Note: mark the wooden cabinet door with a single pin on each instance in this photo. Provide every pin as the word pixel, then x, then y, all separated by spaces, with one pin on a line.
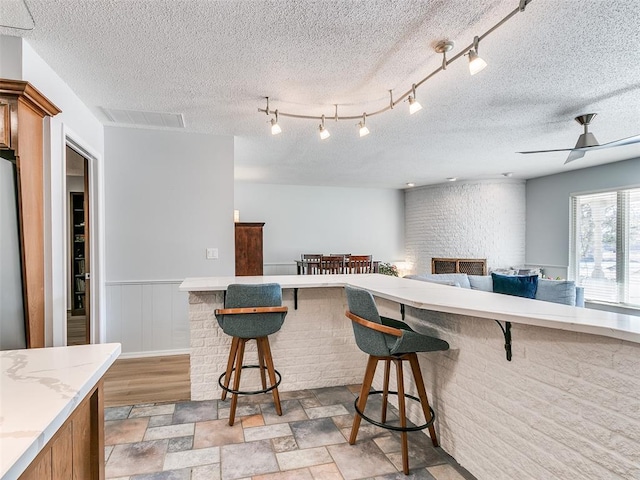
pixel 248 248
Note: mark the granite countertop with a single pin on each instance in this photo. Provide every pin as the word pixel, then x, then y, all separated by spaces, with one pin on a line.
pixel 448 299
pixel 39 389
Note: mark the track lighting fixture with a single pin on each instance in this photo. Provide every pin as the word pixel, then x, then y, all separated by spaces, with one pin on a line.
pixel 275 128
pixel 324 133
pixel 476 64
pixel 414 105
pixel 363 126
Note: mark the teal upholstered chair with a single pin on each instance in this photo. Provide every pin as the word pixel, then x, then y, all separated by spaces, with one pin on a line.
pixel 392 341
pixel 251 312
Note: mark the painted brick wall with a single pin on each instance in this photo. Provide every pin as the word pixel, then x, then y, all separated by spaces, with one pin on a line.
pixel 566 407
pixel 466 220
pixel 314 348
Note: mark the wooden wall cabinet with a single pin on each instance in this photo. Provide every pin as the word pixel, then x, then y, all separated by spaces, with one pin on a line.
pixel 248 249
pixel 22 110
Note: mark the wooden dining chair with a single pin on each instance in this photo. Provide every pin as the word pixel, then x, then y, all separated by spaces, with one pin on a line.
pixel 311 263
pixel 332 264
pixel 360 264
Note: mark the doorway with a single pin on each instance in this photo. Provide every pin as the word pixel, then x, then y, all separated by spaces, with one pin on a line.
pixel 79 252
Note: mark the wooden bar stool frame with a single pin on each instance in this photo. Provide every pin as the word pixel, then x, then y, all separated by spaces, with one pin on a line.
pixel 236 356
pixel 361 401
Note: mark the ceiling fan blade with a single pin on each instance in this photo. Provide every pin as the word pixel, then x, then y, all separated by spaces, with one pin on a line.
pixel 575 155
pixel 546 151
pixel 618 143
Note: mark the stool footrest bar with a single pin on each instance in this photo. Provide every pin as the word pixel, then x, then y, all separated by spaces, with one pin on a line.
pixel 393 427
pixel 255 392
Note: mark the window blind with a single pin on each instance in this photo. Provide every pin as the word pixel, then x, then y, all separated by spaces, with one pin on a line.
pixel 605 245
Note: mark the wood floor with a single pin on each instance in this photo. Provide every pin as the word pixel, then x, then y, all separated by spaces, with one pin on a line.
pixel 147 380
pixel 76 330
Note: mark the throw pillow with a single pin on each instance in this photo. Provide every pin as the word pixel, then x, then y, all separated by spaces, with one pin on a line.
pixel 519 286
pixel 481 282
pixel 557 291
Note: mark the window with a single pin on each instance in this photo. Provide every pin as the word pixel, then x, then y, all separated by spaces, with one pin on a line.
pixel 605 246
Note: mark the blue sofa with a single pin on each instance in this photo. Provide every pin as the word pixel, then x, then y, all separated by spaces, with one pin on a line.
pixel 556 291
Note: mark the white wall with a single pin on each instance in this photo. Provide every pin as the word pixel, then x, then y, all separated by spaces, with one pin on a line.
pixel 76 121
pixel 466 220
pixel 169 196
pixel 304 219
pixel 10 57
pixel 548 209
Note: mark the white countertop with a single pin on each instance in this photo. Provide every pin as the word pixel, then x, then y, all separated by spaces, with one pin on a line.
pixel 39 389
pixel 444 298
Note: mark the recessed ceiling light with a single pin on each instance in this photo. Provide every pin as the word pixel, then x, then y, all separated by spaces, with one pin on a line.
pixel 452 179
pixel 411 184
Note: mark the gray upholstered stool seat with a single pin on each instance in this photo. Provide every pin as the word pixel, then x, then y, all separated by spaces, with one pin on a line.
pixel 252 312
pixel 391 341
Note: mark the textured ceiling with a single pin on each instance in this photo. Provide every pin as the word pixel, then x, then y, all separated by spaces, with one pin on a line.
pixel 214 61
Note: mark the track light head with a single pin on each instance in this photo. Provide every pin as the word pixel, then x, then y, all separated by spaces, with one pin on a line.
pixel 275 128
pixel 363 130
pixel 476 63
pixel 324 133
pixel 414 105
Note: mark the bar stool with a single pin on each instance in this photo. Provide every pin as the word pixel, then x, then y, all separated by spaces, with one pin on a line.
pixel 392 341
pixel 251 312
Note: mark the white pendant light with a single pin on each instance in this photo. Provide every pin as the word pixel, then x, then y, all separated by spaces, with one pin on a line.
pixel 476 63
pixel 324 133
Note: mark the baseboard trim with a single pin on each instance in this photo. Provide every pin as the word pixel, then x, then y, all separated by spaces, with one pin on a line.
pixel 155 353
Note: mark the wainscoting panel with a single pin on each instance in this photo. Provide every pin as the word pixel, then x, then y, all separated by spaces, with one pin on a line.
pixel 147 317
pixel 280 269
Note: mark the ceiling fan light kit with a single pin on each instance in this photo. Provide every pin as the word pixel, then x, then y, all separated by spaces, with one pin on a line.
pixel 476 64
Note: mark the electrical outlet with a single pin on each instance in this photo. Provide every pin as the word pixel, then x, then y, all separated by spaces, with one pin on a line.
pixel 212 253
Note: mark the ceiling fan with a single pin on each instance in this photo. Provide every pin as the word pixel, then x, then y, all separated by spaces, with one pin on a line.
pixel 587 141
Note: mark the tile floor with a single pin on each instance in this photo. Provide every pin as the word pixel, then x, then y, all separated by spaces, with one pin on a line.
pixel 192 441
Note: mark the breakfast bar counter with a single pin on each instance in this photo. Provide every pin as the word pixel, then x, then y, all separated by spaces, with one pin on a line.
pixel 51 411
pixel 443 298
pixel 567 405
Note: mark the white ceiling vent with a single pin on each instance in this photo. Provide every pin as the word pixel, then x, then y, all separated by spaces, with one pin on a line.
pixel 144 119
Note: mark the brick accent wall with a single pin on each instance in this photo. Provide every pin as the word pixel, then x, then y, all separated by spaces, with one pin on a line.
pixel 466 220
pixel 314 348
pixel 566 407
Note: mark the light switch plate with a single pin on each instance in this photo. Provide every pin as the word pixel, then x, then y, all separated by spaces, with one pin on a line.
pixel 212 253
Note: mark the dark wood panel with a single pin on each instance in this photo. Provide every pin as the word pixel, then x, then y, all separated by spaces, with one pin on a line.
pixel 249 249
